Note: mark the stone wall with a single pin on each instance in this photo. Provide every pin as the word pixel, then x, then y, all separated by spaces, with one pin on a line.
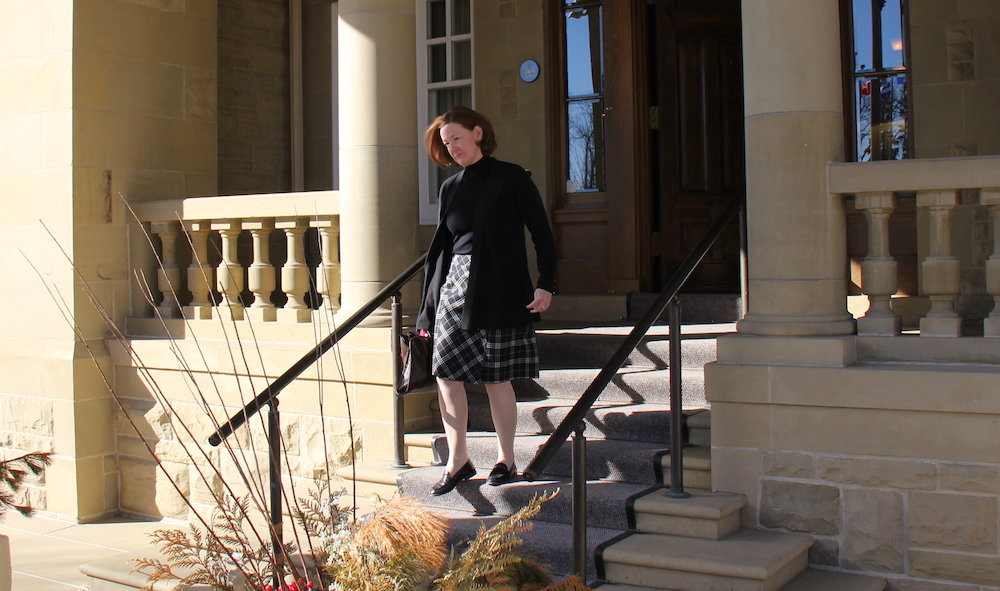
pixel 254 120
pixel 890 466
pixel 899 517
pixel 955 50
pixel 326 423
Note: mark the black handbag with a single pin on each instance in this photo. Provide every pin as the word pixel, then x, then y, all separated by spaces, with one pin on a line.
pixel 416 373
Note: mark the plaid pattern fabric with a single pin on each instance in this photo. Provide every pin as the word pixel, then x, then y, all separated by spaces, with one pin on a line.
pixel 477 356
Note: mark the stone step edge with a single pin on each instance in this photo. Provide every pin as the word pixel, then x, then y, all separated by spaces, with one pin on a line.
pixel 693 457
pixel 826 580
pixel 701 505
pixel 747 554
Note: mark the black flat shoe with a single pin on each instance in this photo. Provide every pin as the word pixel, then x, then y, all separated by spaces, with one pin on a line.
pixel 449 482
pixel 501 474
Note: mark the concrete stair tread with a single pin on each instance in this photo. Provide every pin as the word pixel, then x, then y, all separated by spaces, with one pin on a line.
pixel 747 554
pixel 546 541
pixel 605 507
pixel 636 384
pixel 607 459
pixel 824 580
pixel 701 505
pixel 591 347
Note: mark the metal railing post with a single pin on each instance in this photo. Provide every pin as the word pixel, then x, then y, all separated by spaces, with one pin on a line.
pixel 399 411
pixel 274 468
pixel 676 406
pixel 579 476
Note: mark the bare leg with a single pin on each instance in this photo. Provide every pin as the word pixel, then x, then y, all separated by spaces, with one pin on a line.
pixel 455 415
pixel 503 407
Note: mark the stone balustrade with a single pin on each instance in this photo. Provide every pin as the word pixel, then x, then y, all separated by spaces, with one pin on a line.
pixel 937 184
pixel 215 256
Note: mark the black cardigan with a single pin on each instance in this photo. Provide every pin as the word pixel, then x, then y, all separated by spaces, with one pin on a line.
pixel 500 286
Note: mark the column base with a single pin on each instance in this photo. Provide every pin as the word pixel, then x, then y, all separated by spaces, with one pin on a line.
pixel 228 312
pixel 198 312
pixel 881 326
pixel 295 314
pixel 262 314
pixel 822 351
pixel 792 326
pixel 947 326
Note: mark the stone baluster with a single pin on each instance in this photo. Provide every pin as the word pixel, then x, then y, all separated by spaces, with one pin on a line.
pixel 878 269
pixel 229 277
pixel 941 271
pixel 199 274
pixel 991 326
pixel 168 273
pixel 328 274
pixel 295 273
pixel 261 275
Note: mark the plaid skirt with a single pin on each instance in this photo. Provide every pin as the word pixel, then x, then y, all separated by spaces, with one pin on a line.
pixel 477 356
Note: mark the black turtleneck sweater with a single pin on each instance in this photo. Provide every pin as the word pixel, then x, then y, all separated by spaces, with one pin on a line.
pixel 460 214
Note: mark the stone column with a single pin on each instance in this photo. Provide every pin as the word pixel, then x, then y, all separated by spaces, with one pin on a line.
pixel 378 146
pixel 794 126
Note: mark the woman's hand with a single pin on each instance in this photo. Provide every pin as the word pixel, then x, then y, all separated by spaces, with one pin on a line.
pixel 541 302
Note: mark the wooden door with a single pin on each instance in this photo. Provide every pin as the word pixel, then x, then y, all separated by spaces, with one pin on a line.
pixel 601 142
pixel 698 141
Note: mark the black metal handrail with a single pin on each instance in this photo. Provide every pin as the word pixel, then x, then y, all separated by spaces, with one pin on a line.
pixel 269 397
pixel 573 423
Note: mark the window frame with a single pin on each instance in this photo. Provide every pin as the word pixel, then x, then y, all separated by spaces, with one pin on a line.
pixel 850 75
pixel 428 206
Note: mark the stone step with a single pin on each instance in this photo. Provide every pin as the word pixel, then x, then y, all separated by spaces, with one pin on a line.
pixel 420 448
pixel 748 560
pixel 696 308
pixel 706 515
pixel 699 424
pixel 824 580
pixel 607 459
pixel 623 421
pixel 547 542
pixel 697 472
pixel 606 500
pixel 630 384
pixel 592 347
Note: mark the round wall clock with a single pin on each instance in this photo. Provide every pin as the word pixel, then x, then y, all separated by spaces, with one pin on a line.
pixel 529 71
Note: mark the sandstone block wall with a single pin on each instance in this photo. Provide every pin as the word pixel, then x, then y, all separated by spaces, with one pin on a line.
pixel 254 115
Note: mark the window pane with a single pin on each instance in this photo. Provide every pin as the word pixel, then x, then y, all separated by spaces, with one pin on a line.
pixel 443 99
pixel 440 101
pixel 878 35
pixel 585 131
pixel 461 59
pixel 437 19
pixel 437 63
pixel 584 60
pixel 461 18
pixel 881 110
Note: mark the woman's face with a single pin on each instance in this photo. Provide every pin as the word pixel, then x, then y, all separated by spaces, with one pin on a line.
pixel 462 143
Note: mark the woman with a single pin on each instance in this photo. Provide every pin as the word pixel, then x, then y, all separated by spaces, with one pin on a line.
pixel 478 299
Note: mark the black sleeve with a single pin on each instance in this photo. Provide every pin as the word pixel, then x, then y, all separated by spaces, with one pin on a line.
pixel 529 205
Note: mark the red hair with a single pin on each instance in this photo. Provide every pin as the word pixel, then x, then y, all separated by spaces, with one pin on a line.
pixel 468 119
